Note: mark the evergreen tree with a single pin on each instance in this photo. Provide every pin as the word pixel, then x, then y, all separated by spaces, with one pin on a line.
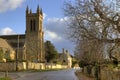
pixel 51 53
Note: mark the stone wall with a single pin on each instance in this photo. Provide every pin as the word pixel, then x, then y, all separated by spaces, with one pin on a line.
pixel 11 66
pixel 7 66
pixel 31 65
pixel 110 75
pixel 55 66
pixel 104 74
pixel 93 71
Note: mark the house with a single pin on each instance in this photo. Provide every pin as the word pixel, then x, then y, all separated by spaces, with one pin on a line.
pixel 6 50
pixel 65 58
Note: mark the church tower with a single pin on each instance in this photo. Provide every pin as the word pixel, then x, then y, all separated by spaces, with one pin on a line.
pixel 34 35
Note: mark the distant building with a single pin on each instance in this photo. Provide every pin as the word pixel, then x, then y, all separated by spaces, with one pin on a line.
pixel 65 58
pixel 29 46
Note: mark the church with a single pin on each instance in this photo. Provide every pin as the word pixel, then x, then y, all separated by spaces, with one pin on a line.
pixel 28 46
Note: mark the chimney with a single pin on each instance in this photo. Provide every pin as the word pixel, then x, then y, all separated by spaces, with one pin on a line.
pixel 63 50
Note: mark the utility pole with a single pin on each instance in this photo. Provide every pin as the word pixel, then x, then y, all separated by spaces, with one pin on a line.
pixel 17 52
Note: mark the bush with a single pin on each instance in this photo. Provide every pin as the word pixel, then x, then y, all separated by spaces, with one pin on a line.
pixel 89 69
pixel 115 63
pixel 73 63
pixel 82 64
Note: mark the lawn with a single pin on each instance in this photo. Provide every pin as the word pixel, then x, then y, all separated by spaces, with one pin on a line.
pixel 5 78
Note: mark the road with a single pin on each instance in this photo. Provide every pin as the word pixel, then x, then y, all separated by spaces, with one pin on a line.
pixel 50 75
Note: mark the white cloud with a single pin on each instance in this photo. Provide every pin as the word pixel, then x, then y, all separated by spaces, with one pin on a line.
pixel 6 31
pixel 52 36
pixel 55 28
pixel 56 31
pixel 10 4
pixel 44 15
pixel 63 20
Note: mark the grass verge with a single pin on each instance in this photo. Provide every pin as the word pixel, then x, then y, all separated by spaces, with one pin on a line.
pixel 5 78
pixel 39 70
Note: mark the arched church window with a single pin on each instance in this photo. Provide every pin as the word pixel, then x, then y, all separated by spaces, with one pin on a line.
pixel 34 23
pixel 31 25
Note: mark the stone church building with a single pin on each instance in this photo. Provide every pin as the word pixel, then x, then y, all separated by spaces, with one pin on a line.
pixel 28 46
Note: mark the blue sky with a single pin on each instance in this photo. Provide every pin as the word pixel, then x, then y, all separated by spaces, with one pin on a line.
pixel 16 18
pixel 12 20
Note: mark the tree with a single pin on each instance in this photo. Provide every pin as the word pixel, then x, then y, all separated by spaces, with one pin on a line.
pixel 93 20
pixel 51 53
pixel 89 52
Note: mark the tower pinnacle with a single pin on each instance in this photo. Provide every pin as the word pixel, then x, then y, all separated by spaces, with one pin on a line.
pixel 39 10
pixel 27 10
pixel 30 11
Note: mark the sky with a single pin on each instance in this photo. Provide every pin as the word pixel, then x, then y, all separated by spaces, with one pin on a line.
pixel 13 20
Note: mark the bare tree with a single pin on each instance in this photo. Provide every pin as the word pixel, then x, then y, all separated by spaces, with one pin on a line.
pixel 89 51
pixel 93 20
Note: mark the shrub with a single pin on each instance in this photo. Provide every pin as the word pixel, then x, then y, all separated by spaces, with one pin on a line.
pixel 83 63
pixel 115 63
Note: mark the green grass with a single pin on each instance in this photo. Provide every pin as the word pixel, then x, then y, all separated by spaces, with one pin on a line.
pixel 5 78
pixel 52 69
pixel 39 70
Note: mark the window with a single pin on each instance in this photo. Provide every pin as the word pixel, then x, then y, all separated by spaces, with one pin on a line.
pixel 30 25
pixel 34 23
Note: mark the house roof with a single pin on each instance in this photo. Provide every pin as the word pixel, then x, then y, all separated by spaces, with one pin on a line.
pixel 65 54
pixel 4 44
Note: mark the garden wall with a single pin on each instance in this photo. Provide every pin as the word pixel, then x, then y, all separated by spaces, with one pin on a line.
pixel 11 66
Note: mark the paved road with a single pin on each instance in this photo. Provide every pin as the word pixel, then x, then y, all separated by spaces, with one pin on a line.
pixel 51 75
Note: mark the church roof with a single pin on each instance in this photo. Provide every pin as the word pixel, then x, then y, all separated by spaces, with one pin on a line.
pixel 13 40
pixel 21 36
